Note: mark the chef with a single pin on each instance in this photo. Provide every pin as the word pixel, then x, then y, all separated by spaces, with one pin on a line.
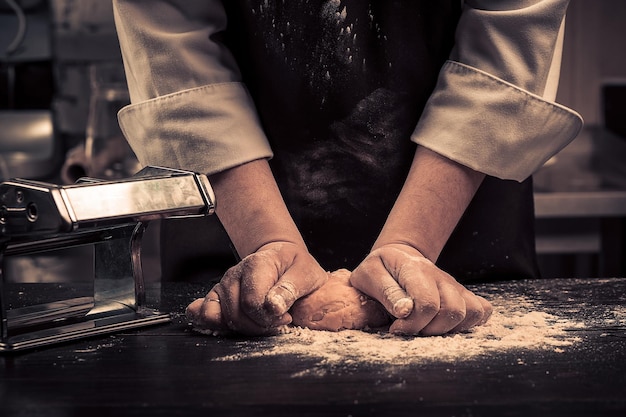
pixel 395 139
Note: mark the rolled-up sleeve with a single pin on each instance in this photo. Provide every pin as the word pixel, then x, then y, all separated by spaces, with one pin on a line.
pixel 493 108
pixel 189 108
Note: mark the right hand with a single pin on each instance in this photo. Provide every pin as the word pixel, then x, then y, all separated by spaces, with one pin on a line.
pixel 423 299
pixel 254 296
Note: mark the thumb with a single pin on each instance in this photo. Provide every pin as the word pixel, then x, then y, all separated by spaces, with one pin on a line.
pixel 295 283
pixel 372 278
pixel 281 297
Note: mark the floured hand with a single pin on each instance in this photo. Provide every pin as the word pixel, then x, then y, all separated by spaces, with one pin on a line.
pixel 424 299
pixel 337 305
pixel 254 296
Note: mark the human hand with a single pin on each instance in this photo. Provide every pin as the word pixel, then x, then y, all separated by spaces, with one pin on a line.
pixel 423 298
pixel 254 296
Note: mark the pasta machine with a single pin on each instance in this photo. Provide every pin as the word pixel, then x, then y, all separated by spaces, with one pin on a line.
pixel 105 221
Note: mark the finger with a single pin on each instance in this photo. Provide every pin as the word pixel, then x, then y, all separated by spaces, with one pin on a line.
pixel 422 314
pixel 281 297
pixel 258 273
pixel 205 313
pixel 233 316
pixel 194 311
pixel 299 280
pixel 452 311
pixel 487 310
pixel 474 312
pixel 478 312
pixel 373 278
pixel 417 278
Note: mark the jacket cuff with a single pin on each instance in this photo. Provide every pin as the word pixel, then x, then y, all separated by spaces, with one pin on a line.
pixel 491 125
pixel 206 129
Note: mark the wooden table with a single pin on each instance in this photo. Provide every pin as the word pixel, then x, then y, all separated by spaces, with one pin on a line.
pixel 169 370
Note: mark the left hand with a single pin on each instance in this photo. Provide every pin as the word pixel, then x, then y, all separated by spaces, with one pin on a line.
pixel 424 299
pixel 254 296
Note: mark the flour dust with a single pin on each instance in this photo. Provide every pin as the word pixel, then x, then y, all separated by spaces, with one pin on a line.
pixel 514 325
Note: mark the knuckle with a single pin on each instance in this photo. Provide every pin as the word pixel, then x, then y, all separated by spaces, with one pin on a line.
pixel 474 313
pixel 233 274
pixel 249 264
pixel 453 315
pixel 248 302
pixel 429 309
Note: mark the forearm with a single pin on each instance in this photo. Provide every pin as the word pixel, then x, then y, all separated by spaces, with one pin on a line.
pixel 251 208
pixel 434 197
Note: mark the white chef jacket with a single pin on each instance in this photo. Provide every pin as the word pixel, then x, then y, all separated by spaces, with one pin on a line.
pixel 190 109
pixel 490 107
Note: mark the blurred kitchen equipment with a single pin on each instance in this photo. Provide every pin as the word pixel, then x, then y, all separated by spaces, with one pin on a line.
pixel 108 217
pixel 105 153
pixel 613 94
pixel 29 147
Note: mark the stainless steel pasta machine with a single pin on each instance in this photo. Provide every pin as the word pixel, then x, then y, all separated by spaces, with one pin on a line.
pixel 106 220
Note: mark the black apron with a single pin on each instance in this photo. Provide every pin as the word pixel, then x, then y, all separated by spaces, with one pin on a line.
pixel 340 86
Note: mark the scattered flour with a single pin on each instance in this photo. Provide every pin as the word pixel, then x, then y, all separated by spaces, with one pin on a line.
pixel 514 325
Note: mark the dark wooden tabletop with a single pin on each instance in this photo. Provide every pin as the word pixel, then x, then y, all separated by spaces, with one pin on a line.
pixel 555 348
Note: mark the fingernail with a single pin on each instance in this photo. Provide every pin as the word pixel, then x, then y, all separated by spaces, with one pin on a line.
pixel 403 307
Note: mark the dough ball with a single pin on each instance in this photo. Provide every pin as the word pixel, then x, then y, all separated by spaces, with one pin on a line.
pixel 337 305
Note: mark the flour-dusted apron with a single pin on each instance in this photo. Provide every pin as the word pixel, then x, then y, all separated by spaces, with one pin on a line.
pixel 340 86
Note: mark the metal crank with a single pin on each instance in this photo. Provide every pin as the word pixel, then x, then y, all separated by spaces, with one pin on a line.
pixel 105 221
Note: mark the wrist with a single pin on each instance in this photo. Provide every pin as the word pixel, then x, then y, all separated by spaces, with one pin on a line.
pixel 251 209
pixel 405 246
pixel 434 197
